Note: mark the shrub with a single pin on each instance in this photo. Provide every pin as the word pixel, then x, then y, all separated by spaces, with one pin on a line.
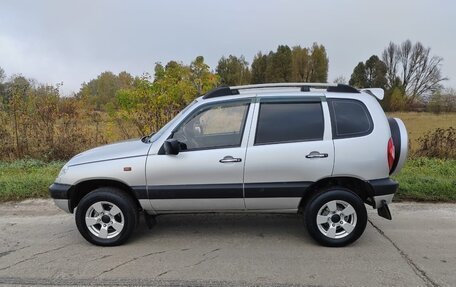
pixel 440 143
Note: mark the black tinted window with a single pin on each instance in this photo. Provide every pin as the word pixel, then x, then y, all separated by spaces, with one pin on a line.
pixel 289 122
pixel 350 118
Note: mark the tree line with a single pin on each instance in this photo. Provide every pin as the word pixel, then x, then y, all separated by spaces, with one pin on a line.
pixel 36 121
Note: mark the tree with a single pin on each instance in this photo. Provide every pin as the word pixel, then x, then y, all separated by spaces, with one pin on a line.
pixel 148 105
pixel 413 68
pixel 309 64
pixel 101 91
pixel 319 63
pixel 443 101
pixel 371 74
pixel 2 85
pixel 16 96
pixel 340 80
pixel 259 66
pixel 300 64
pixel 279 65
pixel 233 71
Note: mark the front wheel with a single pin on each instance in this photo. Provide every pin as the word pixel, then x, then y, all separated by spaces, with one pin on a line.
pixel 106 216
pixel 335 217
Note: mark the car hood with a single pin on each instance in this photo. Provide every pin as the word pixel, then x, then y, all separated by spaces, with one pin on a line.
pixel 124 149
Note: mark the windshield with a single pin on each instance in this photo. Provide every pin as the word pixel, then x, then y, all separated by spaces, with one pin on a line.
pixel 155 136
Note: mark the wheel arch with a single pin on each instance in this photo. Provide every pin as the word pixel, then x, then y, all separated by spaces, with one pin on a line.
pixel 358 186
pixel 83 188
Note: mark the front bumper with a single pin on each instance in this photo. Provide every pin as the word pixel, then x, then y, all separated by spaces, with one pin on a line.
pixel 61 195
pixel 383 191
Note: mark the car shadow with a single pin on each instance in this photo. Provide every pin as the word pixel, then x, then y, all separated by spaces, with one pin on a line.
pixel 216 225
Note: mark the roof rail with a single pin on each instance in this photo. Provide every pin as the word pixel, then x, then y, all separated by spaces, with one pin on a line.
pixel 305 87
pixel 220 92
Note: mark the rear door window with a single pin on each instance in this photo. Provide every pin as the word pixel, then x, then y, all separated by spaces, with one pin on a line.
pixel 282 122
pixel 349 118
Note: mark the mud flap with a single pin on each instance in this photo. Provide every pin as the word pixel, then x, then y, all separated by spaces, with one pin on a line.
pixel 150 220
pixel 384 211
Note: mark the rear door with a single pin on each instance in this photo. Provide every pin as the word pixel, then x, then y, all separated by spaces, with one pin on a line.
pixel 290 147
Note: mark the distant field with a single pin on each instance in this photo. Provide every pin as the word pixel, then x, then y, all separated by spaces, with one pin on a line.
pixel 419 124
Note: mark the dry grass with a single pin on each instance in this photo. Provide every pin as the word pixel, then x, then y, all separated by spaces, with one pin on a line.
pixel 418 124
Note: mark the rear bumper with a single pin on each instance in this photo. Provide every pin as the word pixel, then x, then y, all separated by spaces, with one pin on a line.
pixel 61 195
pixel 383 191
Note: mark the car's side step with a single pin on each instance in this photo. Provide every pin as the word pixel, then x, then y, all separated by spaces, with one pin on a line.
pixel 384 211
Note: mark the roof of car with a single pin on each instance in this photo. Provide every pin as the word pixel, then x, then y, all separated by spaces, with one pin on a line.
pixel 288 87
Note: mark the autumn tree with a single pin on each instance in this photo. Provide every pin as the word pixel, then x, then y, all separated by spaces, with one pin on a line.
pixel 102 90
pixel 149 104
pixel 233 71
pixel 309 64
pixel 412 67
pixel 319 64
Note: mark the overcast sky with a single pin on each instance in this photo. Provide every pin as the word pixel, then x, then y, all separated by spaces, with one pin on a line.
pixel 74 41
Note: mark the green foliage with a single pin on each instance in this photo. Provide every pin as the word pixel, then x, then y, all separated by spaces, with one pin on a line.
pixel 233 71
pixel 26 179
pixel 426 179
pixel 394 100
pixel 259 66
pixel 291 65
pixel 102 90
pixel 371 74
pixel 279 65
pixel 148 105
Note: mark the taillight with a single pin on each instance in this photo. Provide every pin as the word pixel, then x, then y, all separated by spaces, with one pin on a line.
pixel 391 153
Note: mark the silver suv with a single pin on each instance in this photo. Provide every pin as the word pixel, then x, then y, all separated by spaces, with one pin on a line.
pixel 320 150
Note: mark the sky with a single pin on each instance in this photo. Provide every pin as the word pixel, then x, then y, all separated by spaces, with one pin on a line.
pixel 74 41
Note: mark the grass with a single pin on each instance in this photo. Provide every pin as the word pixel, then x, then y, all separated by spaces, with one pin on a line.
pixel 426 179
pixel 26 179
pixel 422 179
pixel 418 124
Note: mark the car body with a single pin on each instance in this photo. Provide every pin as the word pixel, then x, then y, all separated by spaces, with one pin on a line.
pixel 255 148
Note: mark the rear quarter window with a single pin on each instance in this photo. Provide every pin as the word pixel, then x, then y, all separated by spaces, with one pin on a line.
pixel 349 118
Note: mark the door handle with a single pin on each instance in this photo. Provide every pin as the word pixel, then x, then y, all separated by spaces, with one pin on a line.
pixel 229 158
pixel 316 154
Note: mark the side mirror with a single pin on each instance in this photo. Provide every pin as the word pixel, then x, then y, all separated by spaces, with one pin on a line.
pixel 172 146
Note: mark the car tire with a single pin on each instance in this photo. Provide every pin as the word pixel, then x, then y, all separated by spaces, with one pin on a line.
pixel 325 219
pixel 106 216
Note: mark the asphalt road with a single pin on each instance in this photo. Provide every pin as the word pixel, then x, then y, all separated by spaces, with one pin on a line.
pixel 40 245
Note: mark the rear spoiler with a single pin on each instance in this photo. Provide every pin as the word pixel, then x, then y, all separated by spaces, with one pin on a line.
pixel 379 93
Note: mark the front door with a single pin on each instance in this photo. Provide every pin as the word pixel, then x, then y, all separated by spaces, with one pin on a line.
pixel 208 173
pixel 290 147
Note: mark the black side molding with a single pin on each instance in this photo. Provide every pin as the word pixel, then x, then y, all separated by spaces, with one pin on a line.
pixel 60 191
pixel 383 186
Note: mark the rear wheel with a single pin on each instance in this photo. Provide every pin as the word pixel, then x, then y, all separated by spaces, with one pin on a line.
pixel 106 216
pixel 335 217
